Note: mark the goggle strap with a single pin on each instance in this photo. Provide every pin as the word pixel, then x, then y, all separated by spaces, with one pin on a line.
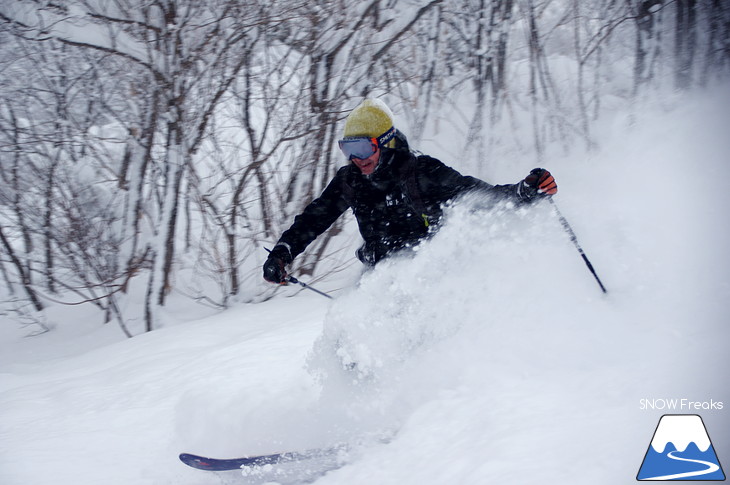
pixel 386 137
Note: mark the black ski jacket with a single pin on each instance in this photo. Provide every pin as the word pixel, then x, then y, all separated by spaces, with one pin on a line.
pixel 395 207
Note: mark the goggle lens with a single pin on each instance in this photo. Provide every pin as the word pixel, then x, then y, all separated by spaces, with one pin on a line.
pixel 360 148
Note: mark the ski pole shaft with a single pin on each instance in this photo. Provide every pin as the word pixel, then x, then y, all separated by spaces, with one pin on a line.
pixel 574 239
pixel 292 279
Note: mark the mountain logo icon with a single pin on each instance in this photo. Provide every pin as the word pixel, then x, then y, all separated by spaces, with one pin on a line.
pixel 681 450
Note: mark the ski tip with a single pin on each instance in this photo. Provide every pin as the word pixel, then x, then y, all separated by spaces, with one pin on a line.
pixel 199 462
pixel 190 460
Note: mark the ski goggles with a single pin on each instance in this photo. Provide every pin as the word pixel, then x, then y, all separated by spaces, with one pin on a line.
pixel 362 147
pixel 359 147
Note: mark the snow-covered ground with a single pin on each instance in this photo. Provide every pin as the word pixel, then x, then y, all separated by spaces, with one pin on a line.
pixel 490 357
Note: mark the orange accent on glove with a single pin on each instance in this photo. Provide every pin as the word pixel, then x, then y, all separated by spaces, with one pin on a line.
pixel 546 184
pixel 542 181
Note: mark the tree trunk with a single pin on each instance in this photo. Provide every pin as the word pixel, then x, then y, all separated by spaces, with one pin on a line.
pixel 22 272
pixel 685 42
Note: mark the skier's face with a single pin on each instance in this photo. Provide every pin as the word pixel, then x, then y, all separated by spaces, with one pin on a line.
pixel 367 165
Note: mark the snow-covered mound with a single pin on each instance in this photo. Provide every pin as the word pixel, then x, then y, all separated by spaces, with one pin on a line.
pixel 489 356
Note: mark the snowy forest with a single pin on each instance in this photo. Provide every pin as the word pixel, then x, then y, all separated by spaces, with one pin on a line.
pixel 152 147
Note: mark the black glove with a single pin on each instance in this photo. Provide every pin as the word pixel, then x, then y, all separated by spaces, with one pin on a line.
pixel 275 265
pixel 539 182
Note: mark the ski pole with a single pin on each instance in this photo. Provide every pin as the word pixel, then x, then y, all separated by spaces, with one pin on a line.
pixel 290 279
pixel 574 238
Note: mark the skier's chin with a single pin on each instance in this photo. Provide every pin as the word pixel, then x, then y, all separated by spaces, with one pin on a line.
pixel 367 168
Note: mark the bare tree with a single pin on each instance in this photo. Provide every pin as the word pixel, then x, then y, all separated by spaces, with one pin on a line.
pixel 647 15
pixel 188 51
pixel 717 51
pixel 685 41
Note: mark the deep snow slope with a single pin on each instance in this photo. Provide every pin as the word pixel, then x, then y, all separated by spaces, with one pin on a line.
pixel 489 357
pixel 122 413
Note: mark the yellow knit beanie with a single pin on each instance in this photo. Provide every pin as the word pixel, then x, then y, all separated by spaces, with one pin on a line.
pixel 371 118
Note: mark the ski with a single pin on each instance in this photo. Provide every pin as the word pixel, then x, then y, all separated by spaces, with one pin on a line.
pixel 225 464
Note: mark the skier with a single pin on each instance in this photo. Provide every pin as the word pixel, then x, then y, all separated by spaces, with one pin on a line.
pixel 395 195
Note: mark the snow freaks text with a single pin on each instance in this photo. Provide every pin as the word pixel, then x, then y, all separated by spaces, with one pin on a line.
pixel 675 404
